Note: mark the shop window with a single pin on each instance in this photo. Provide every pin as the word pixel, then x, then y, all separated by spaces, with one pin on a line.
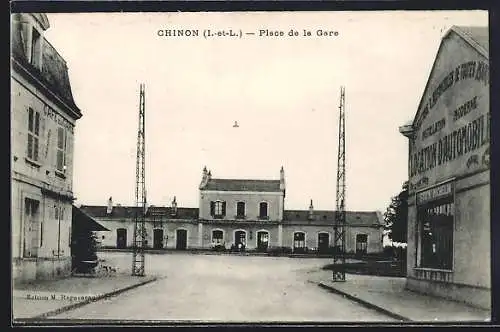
pixel 435 235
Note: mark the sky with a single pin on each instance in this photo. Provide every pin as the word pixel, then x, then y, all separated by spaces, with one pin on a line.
pixel 283 91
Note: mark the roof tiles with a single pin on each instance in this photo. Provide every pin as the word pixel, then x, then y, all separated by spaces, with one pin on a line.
pixel 243 185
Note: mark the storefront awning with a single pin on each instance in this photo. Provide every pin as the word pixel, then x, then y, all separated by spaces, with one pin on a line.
pixel 84 221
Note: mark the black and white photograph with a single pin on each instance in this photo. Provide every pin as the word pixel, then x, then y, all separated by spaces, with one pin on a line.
pixel 250 167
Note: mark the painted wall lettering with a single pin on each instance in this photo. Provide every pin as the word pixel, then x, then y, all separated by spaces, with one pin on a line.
pixel 476 70
pixel 465 108
pixel 461 141
pixel 54 116
pixel 434 128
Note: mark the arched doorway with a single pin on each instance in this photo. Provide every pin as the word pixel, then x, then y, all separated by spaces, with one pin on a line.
pixel 218 239
pixel 158 238
pixel 181 239
pixel 262 240
pixel 121 238
pixel 299 242
pixel 361 244
pixel 240 239
pixel 323 243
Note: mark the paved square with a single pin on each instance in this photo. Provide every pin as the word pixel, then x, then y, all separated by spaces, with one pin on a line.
pixel 225 288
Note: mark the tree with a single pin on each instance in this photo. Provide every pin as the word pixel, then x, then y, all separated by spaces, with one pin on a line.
pixel 396 216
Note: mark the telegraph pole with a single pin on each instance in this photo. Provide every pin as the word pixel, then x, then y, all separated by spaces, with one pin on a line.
pixel 140 193
pixel 340 220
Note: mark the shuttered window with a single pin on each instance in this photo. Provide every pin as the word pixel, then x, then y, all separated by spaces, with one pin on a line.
pixel 218 209
pixel 61 149
pixel 33 134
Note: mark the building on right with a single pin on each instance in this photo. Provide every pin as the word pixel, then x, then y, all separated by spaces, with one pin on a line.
pixel 449 174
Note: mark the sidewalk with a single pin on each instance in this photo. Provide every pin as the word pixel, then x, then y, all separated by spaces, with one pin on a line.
pixel 388 295
pixel 46 298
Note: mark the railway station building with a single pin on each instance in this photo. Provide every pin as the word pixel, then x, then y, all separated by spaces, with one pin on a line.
pixel 240 214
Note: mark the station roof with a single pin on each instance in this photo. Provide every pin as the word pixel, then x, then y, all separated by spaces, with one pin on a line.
pixel 361 218
pixel 100 211
pixel 243 185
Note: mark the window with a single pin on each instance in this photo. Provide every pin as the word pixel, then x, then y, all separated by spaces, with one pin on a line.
pixel 33 134
pixel 61 149
pixel 435 229
pixel 218 209
pixel 31 228
pixel 217 237
pixel 263 210
pixel 240 209
pixel 299 240
pixel 36 48
pixel 361 243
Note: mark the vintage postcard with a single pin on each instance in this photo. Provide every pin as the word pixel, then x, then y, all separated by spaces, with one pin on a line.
pixel 250 167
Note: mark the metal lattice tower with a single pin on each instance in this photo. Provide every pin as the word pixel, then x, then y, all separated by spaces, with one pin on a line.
pixel 340 220
pixel 140 193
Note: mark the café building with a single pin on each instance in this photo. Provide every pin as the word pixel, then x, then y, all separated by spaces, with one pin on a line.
pixel 449 174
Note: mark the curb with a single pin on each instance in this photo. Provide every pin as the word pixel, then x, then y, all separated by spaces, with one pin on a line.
pixel 364 303
pixel 94 299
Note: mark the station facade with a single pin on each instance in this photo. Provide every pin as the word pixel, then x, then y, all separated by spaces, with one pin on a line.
pixel 239 214
pixel 449 174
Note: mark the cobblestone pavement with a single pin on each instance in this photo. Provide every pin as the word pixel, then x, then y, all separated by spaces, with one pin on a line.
pixel 226 288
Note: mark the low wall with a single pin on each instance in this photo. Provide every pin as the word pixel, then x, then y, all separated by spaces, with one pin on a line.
pixel 31 269
pixel 475 296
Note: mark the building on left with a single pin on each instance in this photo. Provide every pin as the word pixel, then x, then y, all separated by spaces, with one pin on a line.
pixel 43 117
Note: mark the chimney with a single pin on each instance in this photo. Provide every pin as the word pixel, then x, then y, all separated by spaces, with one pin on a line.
pixel 311 210
pixel 110 205
pixel 282 179
pixel 174 206
pixel 204 178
